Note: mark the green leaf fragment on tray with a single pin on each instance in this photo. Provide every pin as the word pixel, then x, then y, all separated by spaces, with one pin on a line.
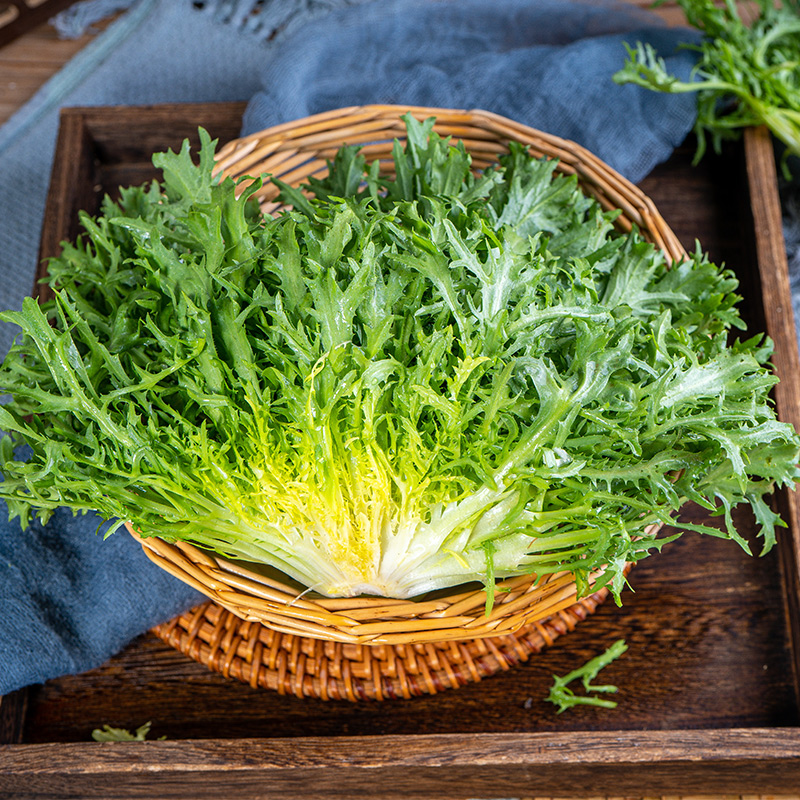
pixel 564 697
pixel 109 734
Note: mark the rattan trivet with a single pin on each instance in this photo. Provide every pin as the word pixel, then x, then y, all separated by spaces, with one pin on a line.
pixel 305 667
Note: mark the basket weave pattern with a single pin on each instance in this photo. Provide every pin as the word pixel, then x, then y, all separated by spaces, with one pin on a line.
pixel 307 667
pixel 294 152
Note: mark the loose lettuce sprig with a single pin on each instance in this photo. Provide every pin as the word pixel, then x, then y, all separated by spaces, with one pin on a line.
pixel 395 387
pixel 746 74
pixel 564 697
pixel 109 734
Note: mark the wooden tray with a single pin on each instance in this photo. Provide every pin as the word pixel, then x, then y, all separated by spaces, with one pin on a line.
pixel 709 699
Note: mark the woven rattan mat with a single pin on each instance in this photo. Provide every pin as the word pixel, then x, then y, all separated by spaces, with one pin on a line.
pixel 305 667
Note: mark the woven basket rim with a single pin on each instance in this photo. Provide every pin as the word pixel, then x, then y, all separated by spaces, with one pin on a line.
pixel 252 653
pixel 458 615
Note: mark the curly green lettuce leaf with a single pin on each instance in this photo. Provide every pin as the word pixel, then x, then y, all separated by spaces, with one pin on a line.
pixel 395 387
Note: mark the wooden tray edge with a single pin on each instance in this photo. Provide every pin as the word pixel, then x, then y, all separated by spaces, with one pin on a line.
pixel 636 763
pixel 773 268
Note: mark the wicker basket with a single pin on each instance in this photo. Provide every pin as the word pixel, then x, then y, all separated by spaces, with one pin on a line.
pixel 293 152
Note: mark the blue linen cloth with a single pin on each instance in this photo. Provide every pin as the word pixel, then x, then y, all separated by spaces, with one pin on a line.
pixel 548 64
pixel 69 599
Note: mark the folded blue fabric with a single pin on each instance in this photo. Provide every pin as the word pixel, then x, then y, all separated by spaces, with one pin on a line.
pixel 548 64
pixel 71 599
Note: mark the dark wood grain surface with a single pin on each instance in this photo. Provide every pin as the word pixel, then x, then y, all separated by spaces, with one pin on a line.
pixel 779 319
pixel 423 767
pixel 707 626
pixel 18 17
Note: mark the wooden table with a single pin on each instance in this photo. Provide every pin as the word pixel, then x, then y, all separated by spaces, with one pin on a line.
pixel 26 63
pixel 24 66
